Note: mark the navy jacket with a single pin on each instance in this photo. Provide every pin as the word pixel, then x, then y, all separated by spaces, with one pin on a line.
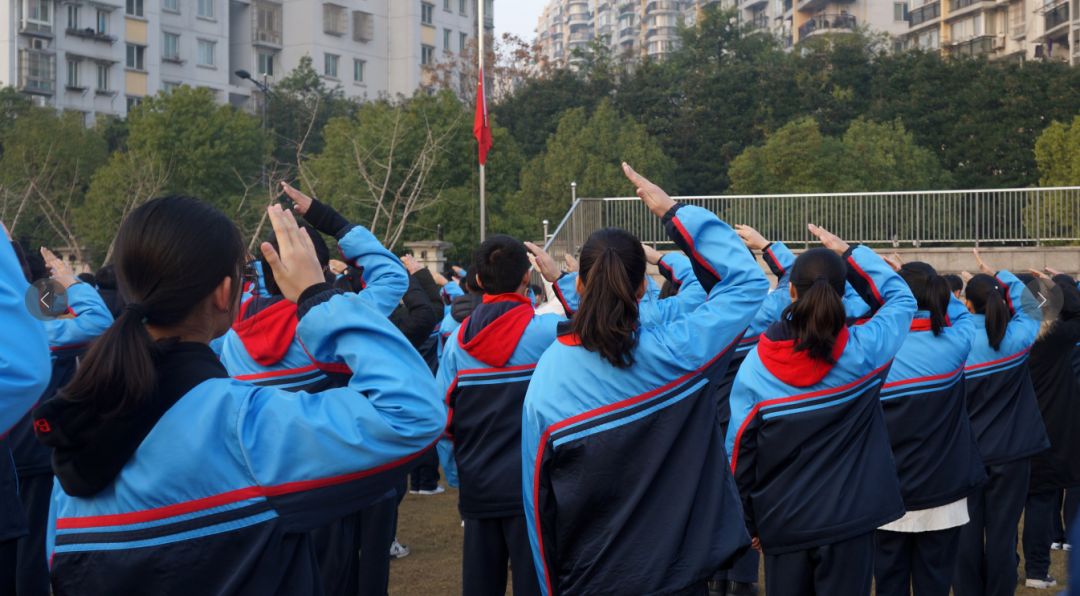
pixel 808 442
pixel 220 495
pixel 937 458
pixel 625 484
pixel 1000 397
pixel 484 373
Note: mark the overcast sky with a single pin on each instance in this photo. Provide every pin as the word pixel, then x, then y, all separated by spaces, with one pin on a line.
pixel 518 17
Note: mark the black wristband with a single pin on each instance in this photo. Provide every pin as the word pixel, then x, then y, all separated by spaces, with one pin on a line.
pixel 326 219
pixel 850 249
pixel 670 215
pixel 315 295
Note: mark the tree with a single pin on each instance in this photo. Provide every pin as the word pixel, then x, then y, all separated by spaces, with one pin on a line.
pixel 298 110
pixel 182 142
pixel 1057 152
pixel 509 62
pixel 588 149
pixel 47 163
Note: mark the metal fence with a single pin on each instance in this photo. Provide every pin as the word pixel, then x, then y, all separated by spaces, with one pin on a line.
pixel 1016 217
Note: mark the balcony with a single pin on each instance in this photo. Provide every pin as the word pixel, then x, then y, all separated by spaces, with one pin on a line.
pixel 628 8
pixel 751 4
pixel 628 33
pixel 662 7
pixel 35 28
pixel 976 46
pixel 266 25
pixel 924 14
pixel 816 5
pixel 760 22
pixel 37 72
pixel 827 23
pixel 962 7
pixel 1056 18
pixel 91 34
pixel 581 36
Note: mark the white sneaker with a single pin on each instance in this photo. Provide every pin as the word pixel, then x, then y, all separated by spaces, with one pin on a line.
pixel 438 490
pixel 1056 546
pixel 1041 584
pixel 1066 547
pixel 398 550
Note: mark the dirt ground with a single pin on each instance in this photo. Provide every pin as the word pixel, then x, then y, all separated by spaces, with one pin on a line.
pixel 430 526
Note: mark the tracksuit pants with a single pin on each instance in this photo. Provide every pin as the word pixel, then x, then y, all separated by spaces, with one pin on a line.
pixel 1067 504
pixel 32 572
pixel 745 569
pixel 489 545
pixel 919 563
pixel 354 551
pixel 986 562
pixel 840 568
pixel 1038 529
pixel 9 559
pixel 425 473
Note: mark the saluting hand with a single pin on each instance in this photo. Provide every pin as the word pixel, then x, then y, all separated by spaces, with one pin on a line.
pixel 301 202
pixel 751 237
pixel 295 265
pixel 830 240
pixel 543 262
pixel 59 269
pixel 652 256
pixel 652 195
pixel 572 264
pixel 983 267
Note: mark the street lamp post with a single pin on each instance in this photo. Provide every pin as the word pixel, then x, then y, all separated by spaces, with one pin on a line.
pixel 263 88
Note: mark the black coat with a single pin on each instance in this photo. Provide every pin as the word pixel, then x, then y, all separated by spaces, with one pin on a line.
pixel 415 316
pixel 1057 387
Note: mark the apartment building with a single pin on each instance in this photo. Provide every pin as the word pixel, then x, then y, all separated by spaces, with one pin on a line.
pixel 1009 30
pixel 104 56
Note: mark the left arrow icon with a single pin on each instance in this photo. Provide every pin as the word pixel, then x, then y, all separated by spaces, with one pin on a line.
pixel 44 304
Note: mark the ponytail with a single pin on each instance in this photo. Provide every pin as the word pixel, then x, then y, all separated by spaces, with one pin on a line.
pixel 171 253
pixel 932 292
pixel 987 298
pixel 817 315
pixel 612 271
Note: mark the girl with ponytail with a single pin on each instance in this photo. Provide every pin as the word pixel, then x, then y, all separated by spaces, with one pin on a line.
pixel 937 459
pixel 173 478
pixel 1007 425
pixel 807 437
pixel 626 487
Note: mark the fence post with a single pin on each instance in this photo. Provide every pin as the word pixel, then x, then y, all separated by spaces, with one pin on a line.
pixel 1038 218
pixel 806 220
pixel 977 220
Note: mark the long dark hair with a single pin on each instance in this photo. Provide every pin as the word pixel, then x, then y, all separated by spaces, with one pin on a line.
pixel 817 315
pixel 612 271
pixel 170 254
pixel 931 291
pixel 987 298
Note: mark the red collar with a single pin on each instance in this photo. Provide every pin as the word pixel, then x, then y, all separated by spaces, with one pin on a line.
pixel 798 369
pixel 511 297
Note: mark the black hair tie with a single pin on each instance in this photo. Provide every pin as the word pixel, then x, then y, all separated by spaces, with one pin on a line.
pixel 136 308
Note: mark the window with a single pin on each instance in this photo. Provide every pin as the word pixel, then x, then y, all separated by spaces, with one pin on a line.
pixel 358 70
pixel 447 35
pixel 206 9
pixel 169 86
pixel 135 55
pixel 206 52
pixel 330 65
pixel 463 41
pixel 265 66
pixel 103 22
pixel 268 23
pixel 73 78
pixel 463 6
pixel 427 55
pixel 73 16
pixel 103 76
pixel 171 5
pixel 39 11
pixel 967 28
pixel 900 12
pixel 363 26
pixel 446 5
pixel 427 13
pixel 134 8
pixel 170 46
pixel 132 102
pixel 335 19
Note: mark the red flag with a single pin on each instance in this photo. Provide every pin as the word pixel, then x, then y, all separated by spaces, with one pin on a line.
pixel 481 128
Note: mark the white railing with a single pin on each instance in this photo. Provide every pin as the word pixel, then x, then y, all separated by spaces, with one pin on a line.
pixel 1018 217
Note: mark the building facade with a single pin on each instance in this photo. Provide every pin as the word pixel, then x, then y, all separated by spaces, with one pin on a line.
pixel 101 57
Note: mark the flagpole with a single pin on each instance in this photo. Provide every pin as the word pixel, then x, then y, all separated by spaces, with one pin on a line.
pixel 481 30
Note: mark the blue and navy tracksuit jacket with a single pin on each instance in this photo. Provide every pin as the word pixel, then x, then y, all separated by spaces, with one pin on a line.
pixel 69 338
pixel 24 375
pixel 263 348
pixel 625 481
pixel 485 370
pixel 807 439
pixel 1001 400
pixel 221 494
pixel 937 458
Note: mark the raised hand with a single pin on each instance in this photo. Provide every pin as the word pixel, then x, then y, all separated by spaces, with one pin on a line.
pixel 572 264
pixel 301 202
pixel 338 267
pixel 894 261
pixel 459 272
pixel 295 265
pixel 544 263
pixel 1052 272
pixel 652 195
pixel 411 264
pixel 966 276
pixel 983 267
pixel 1037 274
pixel 830 240
pixel 59 269
pixel 751 237
pixel 652 256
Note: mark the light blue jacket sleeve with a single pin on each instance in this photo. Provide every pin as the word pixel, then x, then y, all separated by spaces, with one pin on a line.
pixel 388 413
pixel 24 352
pixel 91 319
pixel 1023 328
pixel 881 336
pixel 385 277
pixel 690 295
